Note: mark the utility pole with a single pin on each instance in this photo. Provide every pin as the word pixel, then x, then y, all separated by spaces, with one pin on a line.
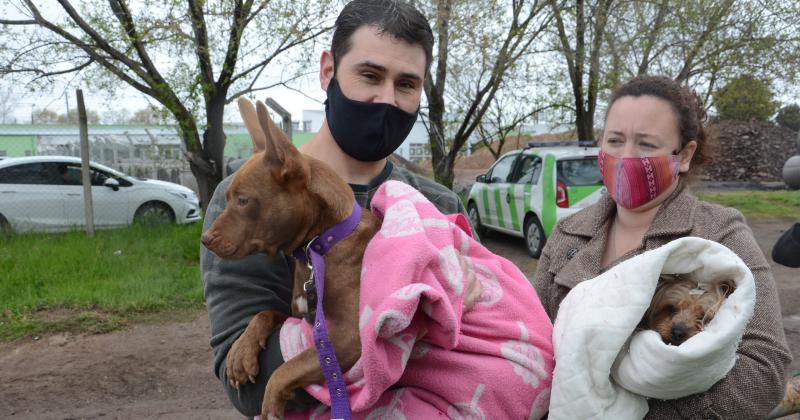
pixel 85 169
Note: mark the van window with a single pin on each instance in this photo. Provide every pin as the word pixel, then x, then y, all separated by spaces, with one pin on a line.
pixel 579 172
pixel 502 169
pixel 527 171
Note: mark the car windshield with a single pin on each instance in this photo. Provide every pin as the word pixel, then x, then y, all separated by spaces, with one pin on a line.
pixel 578 172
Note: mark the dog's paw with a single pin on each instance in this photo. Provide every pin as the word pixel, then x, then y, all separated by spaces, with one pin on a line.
pixel 242 361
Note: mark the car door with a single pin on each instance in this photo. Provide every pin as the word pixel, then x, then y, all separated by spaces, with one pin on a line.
pixel 523 187
pixel 496 196
pixel 30 198
pixel 110 207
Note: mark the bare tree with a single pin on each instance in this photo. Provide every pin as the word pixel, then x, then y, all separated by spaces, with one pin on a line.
pixel 506 118
pixel 701 43
pixel 478 46
pixel 581 27
pixel 192 57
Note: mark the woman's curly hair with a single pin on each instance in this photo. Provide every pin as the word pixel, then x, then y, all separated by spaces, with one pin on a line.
pixel 688 107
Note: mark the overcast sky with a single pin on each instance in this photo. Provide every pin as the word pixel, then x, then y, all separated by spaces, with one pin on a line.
pixel 62 94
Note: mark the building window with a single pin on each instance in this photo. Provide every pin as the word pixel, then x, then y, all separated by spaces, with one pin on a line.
pixel 418 151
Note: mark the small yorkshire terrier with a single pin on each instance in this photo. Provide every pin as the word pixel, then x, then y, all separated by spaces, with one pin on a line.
pixel 681 307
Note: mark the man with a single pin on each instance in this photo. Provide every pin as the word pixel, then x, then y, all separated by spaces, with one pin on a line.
pixel 373 75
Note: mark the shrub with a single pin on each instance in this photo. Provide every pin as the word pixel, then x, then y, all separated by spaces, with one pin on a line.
pixel 789 117
pixel 745 98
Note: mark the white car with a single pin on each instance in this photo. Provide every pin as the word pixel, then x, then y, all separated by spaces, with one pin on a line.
pixel 44 193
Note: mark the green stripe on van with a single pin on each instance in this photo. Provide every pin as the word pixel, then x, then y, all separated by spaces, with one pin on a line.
pixel 513 207
pixel 528 198
pixel 500 221
pixel 485 194
pixel 548 195
pixel 578 193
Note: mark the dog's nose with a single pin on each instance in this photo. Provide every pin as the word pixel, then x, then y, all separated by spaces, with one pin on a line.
pixel 679 333
pixel 207 239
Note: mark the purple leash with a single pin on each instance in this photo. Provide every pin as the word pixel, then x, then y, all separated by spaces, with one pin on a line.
pixel 312 255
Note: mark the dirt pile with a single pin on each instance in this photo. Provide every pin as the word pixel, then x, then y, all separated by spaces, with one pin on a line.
pixel 750 151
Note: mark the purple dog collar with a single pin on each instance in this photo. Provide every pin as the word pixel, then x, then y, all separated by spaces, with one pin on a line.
pixel 312 254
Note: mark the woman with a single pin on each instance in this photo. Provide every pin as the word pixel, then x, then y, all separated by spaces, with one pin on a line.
pixel 658 119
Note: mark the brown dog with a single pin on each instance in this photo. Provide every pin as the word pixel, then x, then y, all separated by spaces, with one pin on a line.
pixel 280 200
pixel 680 309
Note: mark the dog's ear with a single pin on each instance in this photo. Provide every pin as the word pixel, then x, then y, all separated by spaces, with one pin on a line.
pixel 725 286
pixel 248 113
pixel 280 153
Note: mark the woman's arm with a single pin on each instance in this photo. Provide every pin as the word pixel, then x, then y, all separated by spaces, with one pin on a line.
pixel 543 279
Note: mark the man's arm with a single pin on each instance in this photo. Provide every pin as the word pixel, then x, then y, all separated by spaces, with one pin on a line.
pixel 234 292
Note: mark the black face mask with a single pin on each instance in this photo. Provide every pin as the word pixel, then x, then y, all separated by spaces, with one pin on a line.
pixel 366 131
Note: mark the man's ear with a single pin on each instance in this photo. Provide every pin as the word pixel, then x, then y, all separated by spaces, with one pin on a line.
pixel 326 69
pixel 686 154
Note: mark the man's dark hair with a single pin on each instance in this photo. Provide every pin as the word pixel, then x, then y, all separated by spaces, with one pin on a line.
pixel 393 17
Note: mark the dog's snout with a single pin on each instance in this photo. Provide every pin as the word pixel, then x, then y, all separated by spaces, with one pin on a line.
pixel 207 238
pixel 679 333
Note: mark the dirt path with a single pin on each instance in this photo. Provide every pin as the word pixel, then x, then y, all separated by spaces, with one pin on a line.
pixel 164 371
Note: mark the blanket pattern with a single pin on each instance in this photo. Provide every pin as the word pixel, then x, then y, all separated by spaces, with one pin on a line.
pixel 422 355
pixel 606 369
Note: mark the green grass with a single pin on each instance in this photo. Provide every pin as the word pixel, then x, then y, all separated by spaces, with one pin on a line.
pixel 759 204
pixel 70 282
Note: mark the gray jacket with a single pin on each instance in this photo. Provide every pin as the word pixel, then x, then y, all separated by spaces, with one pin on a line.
pixel 756 383
pixel 237 290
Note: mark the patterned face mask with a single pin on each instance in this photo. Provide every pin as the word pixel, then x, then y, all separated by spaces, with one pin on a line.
pixel 633 182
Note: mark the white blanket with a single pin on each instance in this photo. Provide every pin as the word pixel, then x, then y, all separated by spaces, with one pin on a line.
pixel 593 342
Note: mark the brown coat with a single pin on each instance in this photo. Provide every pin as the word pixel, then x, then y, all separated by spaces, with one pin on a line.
pixel 756 383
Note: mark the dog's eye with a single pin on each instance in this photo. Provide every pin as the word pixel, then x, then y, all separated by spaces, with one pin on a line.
pixel 242 201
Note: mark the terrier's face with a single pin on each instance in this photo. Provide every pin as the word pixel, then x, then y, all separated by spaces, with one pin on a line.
pixel 680 309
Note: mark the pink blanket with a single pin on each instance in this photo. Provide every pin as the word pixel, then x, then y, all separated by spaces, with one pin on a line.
pixel 422 355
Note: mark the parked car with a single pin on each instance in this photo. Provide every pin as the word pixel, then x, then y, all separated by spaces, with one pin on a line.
pixel 527 191
pixel 45 193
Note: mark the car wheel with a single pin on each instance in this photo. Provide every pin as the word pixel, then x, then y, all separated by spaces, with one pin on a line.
pixel 5 227
pixel 475 219
pixel 534 236
pixel 154 213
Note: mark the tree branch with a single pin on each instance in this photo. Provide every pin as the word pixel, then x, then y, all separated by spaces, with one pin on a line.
pixel 201 47
pixel 18 22
pixel 240 19
pixel 124 17
pixel 41 74
pixel 232 97
pixel 88 49
pixel 100 42
pixel 260 66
